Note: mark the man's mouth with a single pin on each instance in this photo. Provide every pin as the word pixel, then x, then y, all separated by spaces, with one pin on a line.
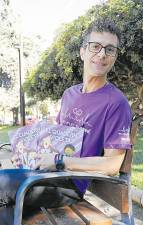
pixel 100 64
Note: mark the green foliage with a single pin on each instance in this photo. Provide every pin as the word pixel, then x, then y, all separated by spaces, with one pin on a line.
pixel 5 79
pixel 43 108
pixel 7 37
pixel 61 65
pixel 137 167
pixel 4 133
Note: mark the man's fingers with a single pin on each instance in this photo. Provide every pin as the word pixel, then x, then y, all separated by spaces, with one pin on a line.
pixel 15 158
pixel 37 166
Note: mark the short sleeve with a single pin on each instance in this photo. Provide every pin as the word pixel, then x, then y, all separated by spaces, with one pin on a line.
pixel 58 118
pixel 117 126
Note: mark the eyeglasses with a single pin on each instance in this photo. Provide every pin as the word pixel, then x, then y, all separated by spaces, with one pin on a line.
pixel 96 47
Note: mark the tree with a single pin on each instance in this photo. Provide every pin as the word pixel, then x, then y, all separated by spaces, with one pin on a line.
pixel 61 66
pixel 43 109
pixel 9 61
pixel 7 37
pixel 58 65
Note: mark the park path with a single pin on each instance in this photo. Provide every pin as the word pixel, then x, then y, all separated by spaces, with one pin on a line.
pixel 114 213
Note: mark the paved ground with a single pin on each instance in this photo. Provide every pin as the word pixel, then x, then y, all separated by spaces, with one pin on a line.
pixel 112 212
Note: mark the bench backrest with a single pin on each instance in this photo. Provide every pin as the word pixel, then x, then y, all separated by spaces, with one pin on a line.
pixel 126 165
pixel 117 193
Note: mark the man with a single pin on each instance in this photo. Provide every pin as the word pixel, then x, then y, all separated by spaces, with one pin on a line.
pixel 98 106
pixel 101 109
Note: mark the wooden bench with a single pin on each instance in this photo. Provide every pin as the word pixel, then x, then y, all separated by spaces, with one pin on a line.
pixel 79 214
pixel 114 190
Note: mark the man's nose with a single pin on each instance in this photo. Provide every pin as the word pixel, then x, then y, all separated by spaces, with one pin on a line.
pixel 102 53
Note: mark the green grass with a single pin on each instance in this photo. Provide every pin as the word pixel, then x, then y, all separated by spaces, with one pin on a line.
pixel 4 132
pixel 137 166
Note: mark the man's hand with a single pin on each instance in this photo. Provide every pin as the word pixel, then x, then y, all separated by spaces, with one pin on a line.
pixel 46 162
pixel 16 161
pixel 25 160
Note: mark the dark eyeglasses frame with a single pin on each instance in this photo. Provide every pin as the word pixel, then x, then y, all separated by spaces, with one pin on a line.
pixel 90 42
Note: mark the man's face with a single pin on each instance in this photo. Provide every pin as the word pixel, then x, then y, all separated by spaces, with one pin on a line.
pixel 99 63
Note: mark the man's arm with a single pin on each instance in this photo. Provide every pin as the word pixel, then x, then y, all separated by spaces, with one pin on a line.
pixel 108 164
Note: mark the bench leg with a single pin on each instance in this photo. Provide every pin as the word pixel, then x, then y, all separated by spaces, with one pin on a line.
pixel 128 218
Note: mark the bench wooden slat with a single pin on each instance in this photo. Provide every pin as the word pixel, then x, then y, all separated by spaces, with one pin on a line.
pixel 115 194
pixel 65 215
pixel 49 215
pixel 37 218
pixel 82 213
pixel 91 214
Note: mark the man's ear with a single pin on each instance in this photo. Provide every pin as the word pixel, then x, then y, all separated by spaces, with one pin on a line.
pixel 82 53
pixel 115 58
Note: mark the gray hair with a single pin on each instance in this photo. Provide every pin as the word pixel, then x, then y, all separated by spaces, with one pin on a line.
pixel 101 25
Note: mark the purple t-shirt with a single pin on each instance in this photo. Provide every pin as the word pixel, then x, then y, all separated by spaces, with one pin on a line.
pixel 105 115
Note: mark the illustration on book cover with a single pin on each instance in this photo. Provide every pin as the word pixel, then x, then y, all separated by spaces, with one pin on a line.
pixel 30 141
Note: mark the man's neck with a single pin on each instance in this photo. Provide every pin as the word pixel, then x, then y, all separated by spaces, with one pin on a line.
pixel 93 84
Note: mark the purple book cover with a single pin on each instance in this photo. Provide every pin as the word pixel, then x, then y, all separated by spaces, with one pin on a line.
pixel 30 141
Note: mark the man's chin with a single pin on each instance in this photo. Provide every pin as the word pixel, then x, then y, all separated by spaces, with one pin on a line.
pixel 98 75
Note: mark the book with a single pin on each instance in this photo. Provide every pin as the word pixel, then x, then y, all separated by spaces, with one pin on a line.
pixel 30 141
